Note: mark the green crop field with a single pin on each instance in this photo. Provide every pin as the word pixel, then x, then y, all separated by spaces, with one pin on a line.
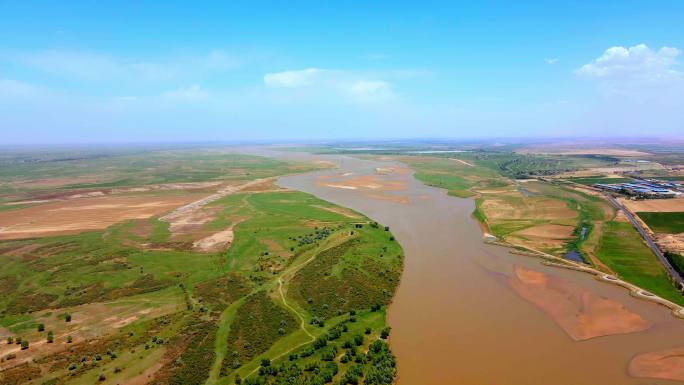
pixel 623 250
pixel 669 223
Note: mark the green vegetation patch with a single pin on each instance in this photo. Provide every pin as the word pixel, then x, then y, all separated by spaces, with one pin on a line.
pixel 623 250
pixel 351 350
pixel 220 292
pixel 259 322
pixel 348 276
pixel 669 223
pixel 676 260
pixel 192 367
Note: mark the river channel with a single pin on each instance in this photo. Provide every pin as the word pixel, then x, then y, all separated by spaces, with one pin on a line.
pixel 467 312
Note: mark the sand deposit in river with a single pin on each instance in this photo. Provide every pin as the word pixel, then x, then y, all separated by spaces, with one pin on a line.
pixel 581 313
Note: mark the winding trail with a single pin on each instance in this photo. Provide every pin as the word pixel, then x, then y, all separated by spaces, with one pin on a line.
pixel 302 324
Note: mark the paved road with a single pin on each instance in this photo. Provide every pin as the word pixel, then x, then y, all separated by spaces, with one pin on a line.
pixel 649 241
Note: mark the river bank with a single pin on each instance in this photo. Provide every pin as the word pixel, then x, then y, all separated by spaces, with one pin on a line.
pixel 463 312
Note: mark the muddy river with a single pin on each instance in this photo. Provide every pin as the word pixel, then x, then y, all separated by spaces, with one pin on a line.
pixel 467 312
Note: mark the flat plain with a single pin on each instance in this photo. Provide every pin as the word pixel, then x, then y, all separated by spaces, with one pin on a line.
pixel 111 274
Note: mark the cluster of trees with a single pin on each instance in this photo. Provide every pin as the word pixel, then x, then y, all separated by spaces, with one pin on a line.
pixel 19 341
pixel 676 260
pixel 316 236
pixel 293 373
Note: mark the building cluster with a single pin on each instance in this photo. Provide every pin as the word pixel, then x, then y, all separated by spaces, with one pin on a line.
pixel 645 188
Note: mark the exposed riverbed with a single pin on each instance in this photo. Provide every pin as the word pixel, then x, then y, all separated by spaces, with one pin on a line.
pixel 471 313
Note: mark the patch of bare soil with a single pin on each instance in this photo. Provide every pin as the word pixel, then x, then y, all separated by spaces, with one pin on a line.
pixel 654 205
pixel 665 364
pixel 500 207
pixel 621 217
pixel 389 197
pixel 463 162
pixel 217 241
pixel 74 216
pixel 364 182
pixel 393 170
pixel 543 236
pixel 264 186
pixel 578 311
pixel 192 220
pixel 89 321
pixel 671 242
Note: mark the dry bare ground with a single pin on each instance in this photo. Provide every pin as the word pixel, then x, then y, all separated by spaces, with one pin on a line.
pixel 77 215
pixel 366 182
pixel 217 241
pixel 654 205
pixel 546 236
pixel 671 242
pixel 499 208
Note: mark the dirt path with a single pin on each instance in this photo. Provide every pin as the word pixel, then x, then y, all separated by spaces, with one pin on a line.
pixel 302 320
pixel 462 162
pixel 192 206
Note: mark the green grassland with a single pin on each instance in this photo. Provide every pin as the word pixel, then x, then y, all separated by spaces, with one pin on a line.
pixel 458 178
pixel 669 223
pixel 623 250
pixel 215 315
pixel 19 176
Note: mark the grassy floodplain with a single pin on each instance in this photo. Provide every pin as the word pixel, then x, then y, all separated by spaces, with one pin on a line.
pixel 300 292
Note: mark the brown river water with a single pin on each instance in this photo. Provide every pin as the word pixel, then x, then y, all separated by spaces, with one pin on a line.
pixel 467 312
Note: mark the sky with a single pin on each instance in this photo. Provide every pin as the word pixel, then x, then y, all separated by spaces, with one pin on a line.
pixel 166 71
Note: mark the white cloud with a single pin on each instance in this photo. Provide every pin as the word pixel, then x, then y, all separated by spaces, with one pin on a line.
pixel 551 60
pixel 353 86
pixel 637 63
pixel 293 79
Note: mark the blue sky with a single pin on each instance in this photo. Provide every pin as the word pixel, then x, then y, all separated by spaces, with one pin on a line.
pixel 82 72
